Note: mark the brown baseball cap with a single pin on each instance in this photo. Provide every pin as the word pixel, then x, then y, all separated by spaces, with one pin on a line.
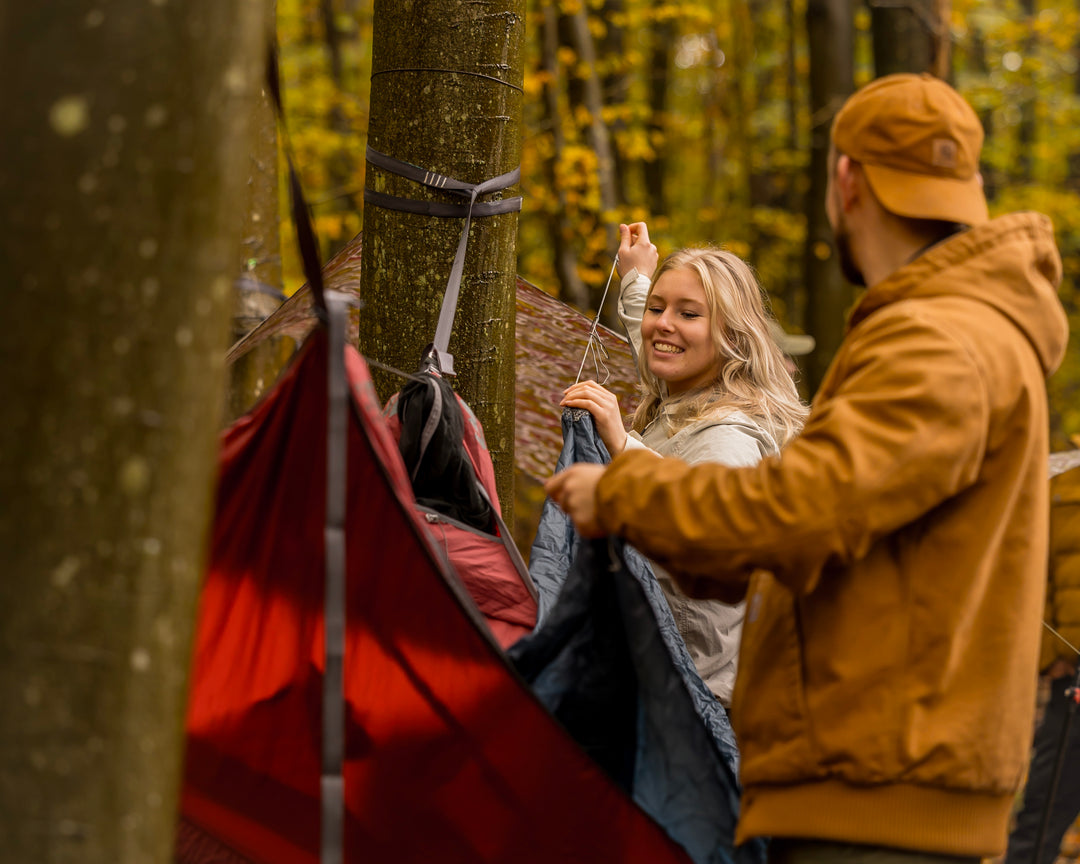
pixel 918 142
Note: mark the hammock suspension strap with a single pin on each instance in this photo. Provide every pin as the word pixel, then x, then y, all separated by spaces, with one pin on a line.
pixel 468 191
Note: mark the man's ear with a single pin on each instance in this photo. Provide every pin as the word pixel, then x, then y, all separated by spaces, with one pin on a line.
pixel 848 175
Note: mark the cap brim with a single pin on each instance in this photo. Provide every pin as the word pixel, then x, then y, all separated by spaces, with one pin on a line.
pixel 796 345
pixel 921 196
pixel 792 344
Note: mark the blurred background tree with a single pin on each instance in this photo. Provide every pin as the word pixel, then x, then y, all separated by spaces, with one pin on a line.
pixel 121 194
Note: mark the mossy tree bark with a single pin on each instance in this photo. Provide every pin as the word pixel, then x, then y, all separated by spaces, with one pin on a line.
pixel 258 290
pixel 121 180
pixel 446 96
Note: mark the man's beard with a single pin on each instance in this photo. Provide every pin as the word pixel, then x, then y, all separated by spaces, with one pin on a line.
pixel 847 260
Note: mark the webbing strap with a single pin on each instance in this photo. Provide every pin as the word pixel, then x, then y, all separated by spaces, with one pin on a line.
pixel 443 209
pixel 332 781
pixel 435 208
pixel 441 181
pixel 431 425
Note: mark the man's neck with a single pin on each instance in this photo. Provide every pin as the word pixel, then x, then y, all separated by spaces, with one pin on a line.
pixel 951 230
pixel 894 247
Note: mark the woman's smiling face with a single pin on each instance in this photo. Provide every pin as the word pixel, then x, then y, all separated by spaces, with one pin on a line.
pixel 676 332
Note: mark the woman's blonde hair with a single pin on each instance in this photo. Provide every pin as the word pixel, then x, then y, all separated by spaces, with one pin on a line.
pixel 752 377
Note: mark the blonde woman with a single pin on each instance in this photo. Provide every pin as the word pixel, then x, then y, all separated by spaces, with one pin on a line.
pixel 714 389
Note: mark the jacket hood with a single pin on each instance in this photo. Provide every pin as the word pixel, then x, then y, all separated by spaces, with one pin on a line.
pixel 656 434
pixel 1010 263
pixel 748 426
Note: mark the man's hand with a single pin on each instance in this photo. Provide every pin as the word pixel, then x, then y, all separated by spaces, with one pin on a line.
pixel 574 490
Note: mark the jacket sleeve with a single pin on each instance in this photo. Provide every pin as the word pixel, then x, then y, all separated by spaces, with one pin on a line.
pixel 903 428
pixel 632 294
pixel 634 442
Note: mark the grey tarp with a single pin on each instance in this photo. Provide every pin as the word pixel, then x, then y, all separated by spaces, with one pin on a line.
pixel 608 661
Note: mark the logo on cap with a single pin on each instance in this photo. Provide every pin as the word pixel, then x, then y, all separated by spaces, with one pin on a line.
pixel 944 153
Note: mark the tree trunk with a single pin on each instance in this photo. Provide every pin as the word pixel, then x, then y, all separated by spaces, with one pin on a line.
pixel 791 84
pixel 744 103
pixel 600 141
pixel 663 41
pixel 910 36
pixel 979 65
pixel 121 175
pixel 340 163
pixel 598 134
pixel 258 292
pixel 615 90
pixel 571 287
pixel 791 290
pixel 1026 129
pixel 468 126
pixel 831 39
pixel 1073 178
pixel 942 66
pixel 714 189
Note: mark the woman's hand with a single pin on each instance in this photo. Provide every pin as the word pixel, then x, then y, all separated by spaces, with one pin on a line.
pixel 635 250
pixel 604 407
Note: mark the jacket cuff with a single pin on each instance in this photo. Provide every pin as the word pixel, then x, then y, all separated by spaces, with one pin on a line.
pixel 607 490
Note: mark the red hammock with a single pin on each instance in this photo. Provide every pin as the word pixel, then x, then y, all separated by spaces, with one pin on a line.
pixel 449 757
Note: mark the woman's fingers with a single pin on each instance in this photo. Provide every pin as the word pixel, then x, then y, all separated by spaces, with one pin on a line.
pixel 635 250
pixel 622 262
pixel 639 231
pixel 604 407
pixel 591 389
pixel 599 409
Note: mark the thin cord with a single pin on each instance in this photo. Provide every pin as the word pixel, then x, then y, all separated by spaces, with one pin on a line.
pixel 596 320
pixel 1062 638
pixel 455 72
pixel 391 369
pixel 599 356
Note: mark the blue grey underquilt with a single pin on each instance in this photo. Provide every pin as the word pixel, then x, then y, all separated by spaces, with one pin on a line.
pixel 607 660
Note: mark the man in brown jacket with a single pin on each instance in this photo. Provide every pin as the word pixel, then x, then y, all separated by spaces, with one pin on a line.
pixel 894 555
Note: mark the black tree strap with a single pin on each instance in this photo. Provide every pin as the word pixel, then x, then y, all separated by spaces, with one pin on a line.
pixel 460 188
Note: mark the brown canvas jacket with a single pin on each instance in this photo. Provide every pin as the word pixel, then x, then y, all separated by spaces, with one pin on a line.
pixel 888 656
